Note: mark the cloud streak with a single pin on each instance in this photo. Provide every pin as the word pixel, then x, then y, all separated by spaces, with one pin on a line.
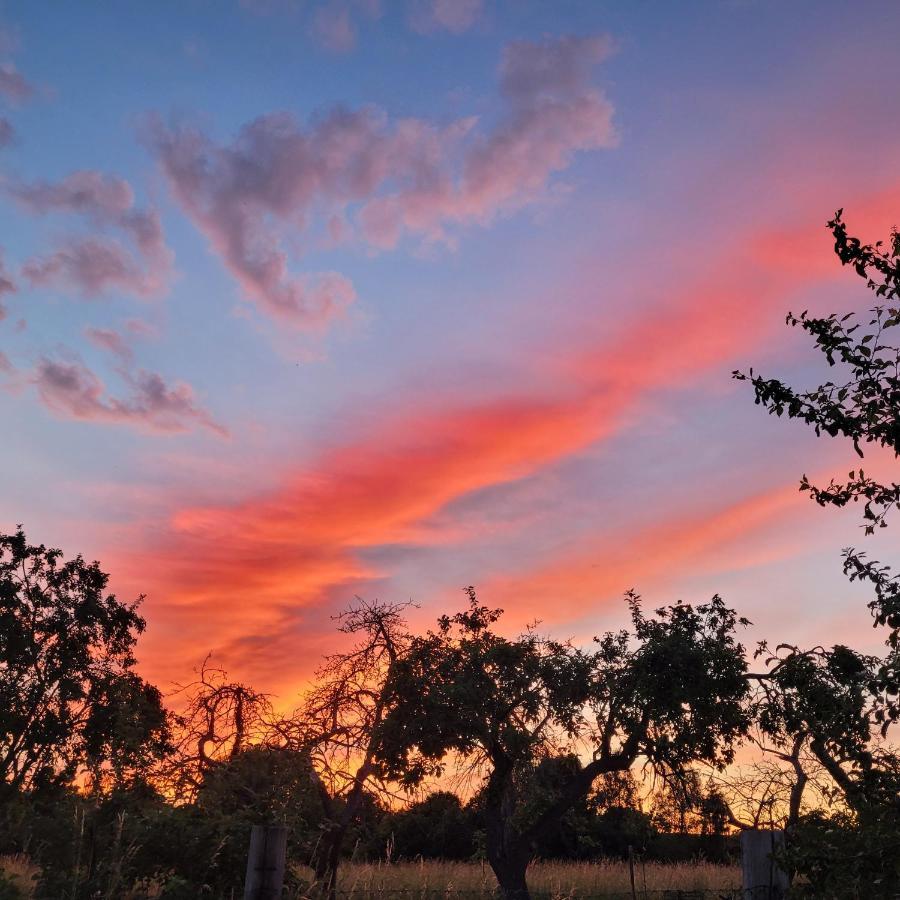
pixel 455 16
pixel 7 286
pixel 72 391
pixel 306 544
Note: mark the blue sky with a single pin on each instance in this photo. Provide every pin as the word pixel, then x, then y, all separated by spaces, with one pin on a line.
pixel 601 209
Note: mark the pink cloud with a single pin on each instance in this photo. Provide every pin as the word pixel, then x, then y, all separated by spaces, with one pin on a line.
pixel 334 29
pixel 7 132
pixel 110 340
pixel 6 367
pixel 93 266
pixel 73 391
pixel 389 178
pixel 456 16
pixel 308 543
pixel 13 84
pixel 140 328
pixel 96 264
pixel 103 198
pixel 7 286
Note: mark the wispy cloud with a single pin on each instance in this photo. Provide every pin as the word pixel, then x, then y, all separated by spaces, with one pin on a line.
pixel 97 263
pixel 7 286
pixel 388 178
pixel 72 390
pixel 109 339
pixel 455 16
pixel 13 85
pixel 7 132
pixel 308 542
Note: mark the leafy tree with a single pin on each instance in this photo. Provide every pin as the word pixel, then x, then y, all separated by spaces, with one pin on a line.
pixel 70 701
pixel 829 700
pixel 671 691
pixel 861 404
pixel 438 827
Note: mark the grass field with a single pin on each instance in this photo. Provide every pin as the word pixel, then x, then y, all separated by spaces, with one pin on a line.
pixel 558 880
pixel 554 880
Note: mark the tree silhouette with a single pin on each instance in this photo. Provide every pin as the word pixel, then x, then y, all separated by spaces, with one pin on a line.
pixel 671 691
pixel 829 701
pixel 337 721
pixel 862 405
pixel 218 720
pixel 70 701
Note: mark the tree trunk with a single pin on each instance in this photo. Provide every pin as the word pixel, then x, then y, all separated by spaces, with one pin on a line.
pixel 508 855
pixel 510 874
pixel 325 863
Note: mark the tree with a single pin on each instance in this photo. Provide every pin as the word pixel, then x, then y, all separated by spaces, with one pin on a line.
pixel 671 691
pixel 218 720
pixel 338 718
pixel 863 405
pixel 70 701
pixel 830 700
pixel 437 827
pixel 825 701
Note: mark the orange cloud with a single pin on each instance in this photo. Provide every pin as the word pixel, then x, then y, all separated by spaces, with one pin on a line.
pixel 590 576
pixel 243 578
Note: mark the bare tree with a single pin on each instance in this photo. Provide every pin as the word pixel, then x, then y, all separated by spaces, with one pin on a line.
pixel 338 717
pixel 218 720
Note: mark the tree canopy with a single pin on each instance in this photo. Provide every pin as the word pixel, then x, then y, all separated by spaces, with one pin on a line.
pixel 70 701
pixel 671 690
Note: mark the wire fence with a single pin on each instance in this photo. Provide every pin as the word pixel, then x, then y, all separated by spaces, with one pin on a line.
pixel 367 893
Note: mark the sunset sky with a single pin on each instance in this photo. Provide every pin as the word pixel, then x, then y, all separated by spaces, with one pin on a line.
pixel 308 299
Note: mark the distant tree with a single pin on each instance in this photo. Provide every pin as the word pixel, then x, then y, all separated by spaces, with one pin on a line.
pixel 70 701
pixel 671 691
pixel 437 827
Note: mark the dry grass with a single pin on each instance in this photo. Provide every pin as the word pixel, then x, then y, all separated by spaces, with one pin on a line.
pixel 470 881
pixel 557 880
pixel 21 872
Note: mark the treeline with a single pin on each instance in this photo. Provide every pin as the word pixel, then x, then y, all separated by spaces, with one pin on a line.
pixel 131 841
pixel 108 788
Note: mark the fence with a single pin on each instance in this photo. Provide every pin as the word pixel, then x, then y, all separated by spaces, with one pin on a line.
pixel 761 893
pixel 762 878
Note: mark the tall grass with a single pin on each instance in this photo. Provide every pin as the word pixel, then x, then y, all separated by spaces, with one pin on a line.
pixel 20 872
pixel 557 880
pixel 435 879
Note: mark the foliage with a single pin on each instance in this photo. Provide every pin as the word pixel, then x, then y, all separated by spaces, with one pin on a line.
pixel 218 720
pixel 863 405
pixel 337 722
pixel 830 699
pixel 843 855
pixel 70 701
pixel 672 691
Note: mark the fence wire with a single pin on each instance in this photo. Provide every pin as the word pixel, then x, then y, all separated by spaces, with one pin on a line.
pixel 761 893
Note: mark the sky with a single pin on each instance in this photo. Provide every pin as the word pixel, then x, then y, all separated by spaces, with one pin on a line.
pixel 303 300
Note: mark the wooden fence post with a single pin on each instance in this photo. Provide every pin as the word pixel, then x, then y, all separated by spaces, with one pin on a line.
pixel 763 878
pixel 265 862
